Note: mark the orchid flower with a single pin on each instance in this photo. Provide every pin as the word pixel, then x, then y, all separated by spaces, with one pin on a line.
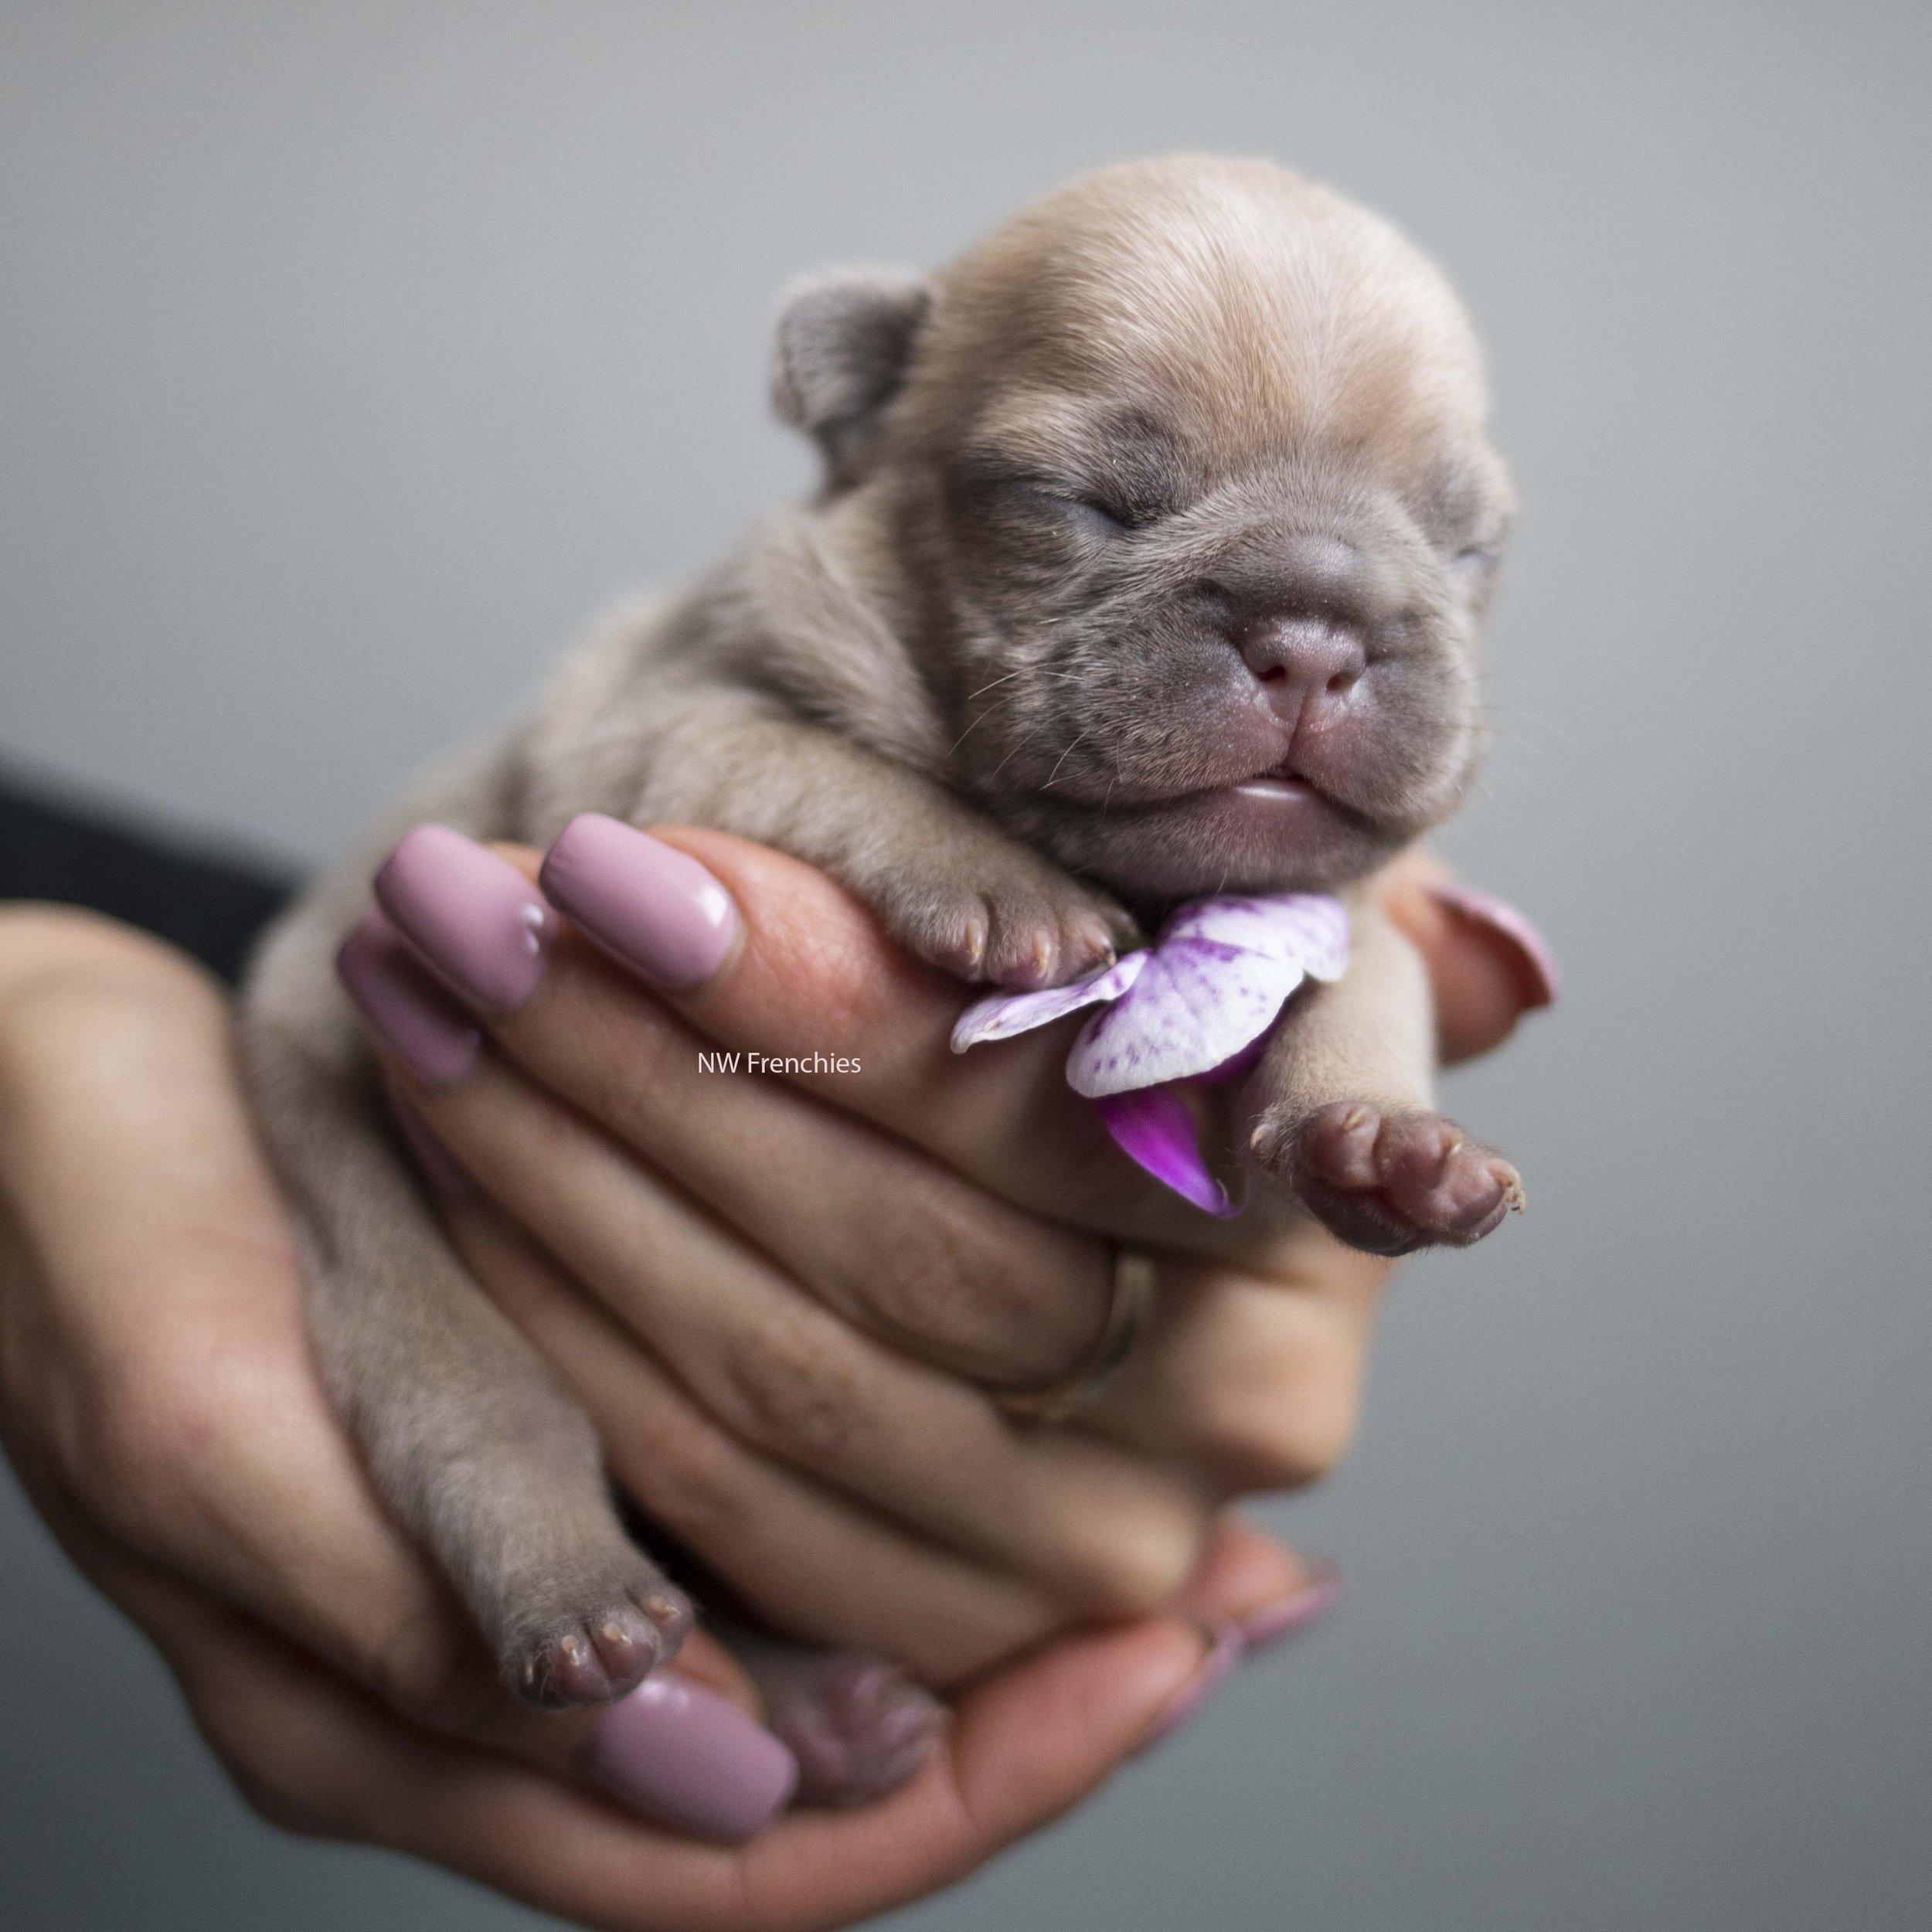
pixel 1195 1006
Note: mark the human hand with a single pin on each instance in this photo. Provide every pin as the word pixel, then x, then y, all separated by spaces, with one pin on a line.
pixel 158 1402
pixel 805 1293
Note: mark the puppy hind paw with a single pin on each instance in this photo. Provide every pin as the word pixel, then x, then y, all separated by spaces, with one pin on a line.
pixel 596 1652
pixel 858 1725
pixel 1387 1181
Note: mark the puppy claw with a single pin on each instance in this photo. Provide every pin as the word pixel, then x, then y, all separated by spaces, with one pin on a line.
pixel 594 1658
pixel 1040 929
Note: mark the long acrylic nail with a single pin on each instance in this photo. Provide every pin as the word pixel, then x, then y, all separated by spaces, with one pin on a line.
pixel 404 1005
pixel 1535 965
pixel 1225 1650
pixel 651 907
pixel 477 921
pixel 1273 1623
pixel 682 1754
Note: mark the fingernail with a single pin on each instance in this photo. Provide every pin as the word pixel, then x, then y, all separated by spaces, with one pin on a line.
pixel 1536 965
pixel 404 1005
pixel 651 907
pixel 1272 1622
pixel 686 1757
pixel 447 1178
pixel 474 917
pixel 1225 1649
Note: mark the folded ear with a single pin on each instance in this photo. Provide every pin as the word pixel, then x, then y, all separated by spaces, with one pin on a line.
pixel 845 340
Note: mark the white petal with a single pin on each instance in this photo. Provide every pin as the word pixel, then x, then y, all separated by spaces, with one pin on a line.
pixel 1196 1004
pixel 1000 1015
pixel 1311 930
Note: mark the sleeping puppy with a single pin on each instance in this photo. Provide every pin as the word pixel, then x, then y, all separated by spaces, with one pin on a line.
pixel 1152 546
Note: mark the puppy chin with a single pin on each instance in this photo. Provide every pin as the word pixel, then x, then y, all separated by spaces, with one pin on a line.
pixel 1261 837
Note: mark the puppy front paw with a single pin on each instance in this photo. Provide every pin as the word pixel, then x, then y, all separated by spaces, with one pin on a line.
pixel 1389 1182
pixel 1025 925
pixel 858 1725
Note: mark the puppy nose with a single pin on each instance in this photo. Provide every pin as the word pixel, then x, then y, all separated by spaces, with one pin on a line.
pixel 1306 663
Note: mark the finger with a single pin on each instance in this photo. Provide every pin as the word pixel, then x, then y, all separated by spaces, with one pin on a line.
pixel 786 965
pixel 761 954
pixel 1267 1589
pixel 809 977
pixel 1028 1744
pixel 617 1056
pixel 166 1390
pixel 797 1552
pixel 1244 1382
pixel 296 1738
pixel 902 1246
pixel 900 1509
pixel 1488 965
pixel 1254 1385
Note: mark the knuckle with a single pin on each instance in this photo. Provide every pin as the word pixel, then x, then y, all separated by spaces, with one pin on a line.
pixel 926 1273
pixel 1289 1421
pixel 421 1671
pixel 282 1784
pixel 796 1390
pixel 941 1273
pixel 153 1422
pixel 1147 1550
pixel 936 1272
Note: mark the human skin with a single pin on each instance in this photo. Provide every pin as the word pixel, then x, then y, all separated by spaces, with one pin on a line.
pixel 156 1397
pixel 958 1241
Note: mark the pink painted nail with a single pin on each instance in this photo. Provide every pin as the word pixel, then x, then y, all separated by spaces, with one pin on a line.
pixel 482 925
pixel 1225 1651
pixel 404 1005
pixel 1536 966
pixel 649 906
pixel 680 1753
pixel 1274 1622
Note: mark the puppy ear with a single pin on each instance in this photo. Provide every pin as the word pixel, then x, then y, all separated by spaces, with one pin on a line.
pixel 845 340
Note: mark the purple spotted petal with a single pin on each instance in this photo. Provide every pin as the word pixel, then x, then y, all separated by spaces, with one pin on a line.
pixel 1196 1005
pixel 1000 1015
pixel 1155 1129
pixel 1309 928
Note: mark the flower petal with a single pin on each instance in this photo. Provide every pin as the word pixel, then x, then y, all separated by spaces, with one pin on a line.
pixel 1196 1005
pixel 1311 930
pixel 1155 1129
pixel 1000 1015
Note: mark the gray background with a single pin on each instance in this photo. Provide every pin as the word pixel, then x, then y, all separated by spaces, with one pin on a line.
pixel 350 356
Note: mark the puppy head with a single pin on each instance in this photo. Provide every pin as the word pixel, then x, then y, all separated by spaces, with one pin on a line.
pixel 1186 475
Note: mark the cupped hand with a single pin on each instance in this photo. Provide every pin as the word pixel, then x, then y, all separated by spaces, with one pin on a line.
pixel 158 1402
pixel 791 1250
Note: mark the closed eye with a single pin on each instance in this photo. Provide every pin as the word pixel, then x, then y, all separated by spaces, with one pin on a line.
pixel 1100 519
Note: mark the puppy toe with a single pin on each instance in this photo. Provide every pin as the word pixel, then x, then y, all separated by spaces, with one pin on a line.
pixel 591 1655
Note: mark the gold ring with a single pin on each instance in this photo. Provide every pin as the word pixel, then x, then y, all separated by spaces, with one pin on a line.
pixel 1130 1302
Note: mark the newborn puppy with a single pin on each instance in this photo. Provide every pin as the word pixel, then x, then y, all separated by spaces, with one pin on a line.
pixel 1148 564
